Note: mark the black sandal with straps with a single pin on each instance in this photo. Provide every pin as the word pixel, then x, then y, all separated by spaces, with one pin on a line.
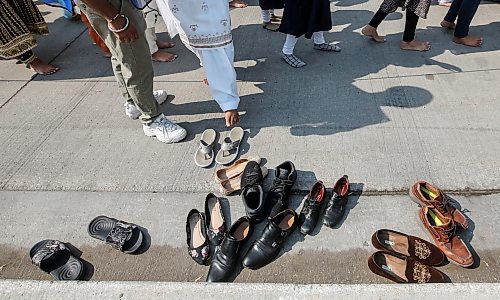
pixel 55 258
pixel 123 236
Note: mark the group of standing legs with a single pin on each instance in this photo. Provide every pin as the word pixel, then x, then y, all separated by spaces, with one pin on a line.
pixel 461 11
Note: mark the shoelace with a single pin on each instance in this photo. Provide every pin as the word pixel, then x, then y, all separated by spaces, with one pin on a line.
pixel 280 184
pixel 444 205
pixel 252 178
pixel 446 234
pixel 166 125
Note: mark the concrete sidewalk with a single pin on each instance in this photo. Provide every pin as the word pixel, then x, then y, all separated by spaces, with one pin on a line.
pixel 13 289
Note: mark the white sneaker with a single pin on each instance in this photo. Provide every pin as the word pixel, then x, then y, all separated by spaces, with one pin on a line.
pixel 164 130
pixel 131 110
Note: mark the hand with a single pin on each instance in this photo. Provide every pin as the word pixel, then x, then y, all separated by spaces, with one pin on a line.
pixel 129 35
pixel 232 117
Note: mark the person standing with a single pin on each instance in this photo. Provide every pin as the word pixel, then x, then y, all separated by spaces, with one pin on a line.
pixel 462 11
pixel 151 15
pixel 204 28
pixel 122 28
pixel 415 9
pixel 19 20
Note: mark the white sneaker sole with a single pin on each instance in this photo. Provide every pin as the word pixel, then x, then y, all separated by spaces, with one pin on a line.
pixel 179 137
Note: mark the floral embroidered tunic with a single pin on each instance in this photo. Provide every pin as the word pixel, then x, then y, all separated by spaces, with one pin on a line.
pixel 199 23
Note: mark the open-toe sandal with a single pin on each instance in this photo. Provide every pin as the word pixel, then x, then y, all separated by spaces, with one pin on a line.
pixel 230 147
pixel 55 258
pixel 123 236
pixel 204 155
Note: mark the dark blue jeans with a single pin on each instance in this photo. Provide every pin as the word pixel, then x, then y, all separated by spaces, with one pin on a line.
pixel 465 11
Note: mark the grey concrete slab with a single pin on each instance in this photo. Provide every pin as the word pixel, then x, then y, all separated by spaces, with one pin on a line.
pixel 328 256
pixel 8 89
pixel 16 289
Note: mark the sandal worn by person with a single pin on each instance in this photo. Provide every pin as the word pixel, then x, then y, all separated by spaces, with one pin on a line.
pixel 327 47
pixel 123 236
pixel 230 147
pixel 270 26
pixel 54 257
pixel 235 169
pixel 292 60
pixel 204 155
pixel 227 187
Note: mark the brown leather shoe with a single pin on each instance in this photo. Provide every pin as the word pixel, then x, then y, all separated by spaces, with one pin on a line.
pixel 424 194
pixel 403 269
pixel 442 230
pixel 409 246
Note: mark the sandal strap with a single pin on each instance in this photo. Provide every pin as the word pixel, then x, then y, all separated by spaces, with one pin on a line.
pixel 206 149
pixel 49 248
pixel 292 60
pixel 119 234
pixel 327 47
pixel 229 144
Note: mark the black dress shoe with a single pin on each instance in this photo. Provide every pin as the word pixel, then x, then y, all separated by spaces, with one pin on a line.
pixel 226 259
pixel 252 193
pixel 216 223
pixel 197 240
pixel 335 208
pixel 311 208
pixel 267 247
pixel 277 197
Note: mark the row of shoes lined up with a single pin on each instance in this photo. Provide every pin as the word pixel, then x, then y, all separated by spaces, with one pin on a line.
pixel 209 241
pixel 409 259
pixel 59 259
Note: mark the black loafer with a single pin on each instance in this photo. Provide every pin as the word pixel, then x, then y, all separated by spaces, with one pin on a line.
pixel 197 240
pixel 226 259
pixel 216 223
pixel 267 247
pixel 335 208
pixel 252 193
pixel 311 208
pixel 277 197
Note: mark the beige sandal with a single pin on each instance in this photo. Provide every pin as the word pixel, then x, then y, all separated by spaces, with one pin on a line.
pixel 235 169
pixel 227 187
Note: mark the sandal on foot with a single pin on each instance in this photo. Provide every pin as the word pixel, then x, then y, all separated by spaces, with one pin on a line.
pixel 204 156
pixel 235 169
pixel 270 26
pixel 227 187
pixel 327 47
pixel 230 147
pixel 275 18
pixel 123 236
pixel 54 257
pixel 293 60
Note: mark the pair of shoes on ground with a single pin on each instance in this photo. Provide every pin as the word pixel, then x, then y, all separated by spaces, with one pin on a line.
pixel 264 249
pixel 205 230
pixel 56 258
pixel 296 62
pixel 258 207
pixel 229 150
pixel 405 259
pixel 163 129
pixel 229 178
pixel 442 221
pixel 335 208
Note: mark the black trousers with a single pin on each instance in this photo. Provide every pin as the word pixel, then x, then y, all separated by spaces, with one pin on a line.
pixel 410 24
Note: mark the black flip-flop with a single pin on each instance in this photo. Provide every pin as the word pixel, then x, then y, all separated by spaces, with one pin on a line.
pixel 123 236
pixel 54 257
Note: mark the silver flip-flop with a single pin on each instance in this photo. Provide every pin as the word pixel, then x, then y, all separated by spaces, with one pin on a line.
pixel 204 155
pixel 230 147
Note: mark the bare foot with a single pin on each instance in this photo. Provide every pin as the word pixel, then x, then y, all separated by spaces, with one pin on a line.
pixel 371 31
pixel 446 24
pixel 469 41
pixel 164 44
pixel 416 46
pixel 238 4
pixel 42 68
pixel 163 56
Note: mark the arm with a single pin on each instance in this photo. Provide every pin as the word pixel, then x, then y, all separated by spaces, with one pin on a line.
pixel 108 12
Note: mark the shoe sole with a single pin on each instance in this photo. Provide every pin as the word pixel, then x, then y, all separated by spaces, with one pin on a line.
pixel 171 141
pixel 432 239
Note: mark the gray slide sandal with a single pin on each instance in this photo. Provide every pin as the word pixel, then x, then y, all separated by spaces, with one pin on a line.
pixel 230 147
pixel 204 155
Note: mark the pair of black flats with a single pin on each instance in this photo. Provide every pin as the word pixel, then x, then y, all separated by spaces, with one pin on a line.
pixel 281 223
pixel 335 208
pixel 205 231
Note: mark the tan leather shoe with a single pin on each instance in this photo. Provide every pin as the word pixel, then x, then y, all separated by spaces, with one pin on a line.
pixel 403 269
pixel 442 230
pixel 424 194
pixel 407 245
